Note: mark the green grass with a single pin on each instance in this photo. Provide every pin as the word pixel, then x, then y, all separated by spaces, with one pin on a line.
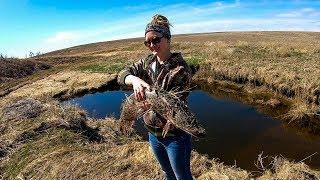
pixel 103 68
pixel 130 48
pixel 19 160
pixel 252 51
pixel 195 59
pixel 293 53
pixel 41 146
pixel 257 52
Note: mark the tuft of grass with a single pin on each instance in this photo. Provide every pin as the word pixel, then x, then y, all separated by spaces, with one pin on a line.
pixel 19 161
pixel 130 48
pixel 42 146
pixel 104 68
pixel 281 168
pixel 93 68
pixel 195 59
pixel 299 109
pixel 289 52
pixel 11 69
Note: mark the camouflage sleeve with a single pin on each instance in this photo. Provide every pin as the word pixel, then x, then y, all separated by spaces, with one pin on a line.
pixel 182 81
pixel 185 78
pixel 137 69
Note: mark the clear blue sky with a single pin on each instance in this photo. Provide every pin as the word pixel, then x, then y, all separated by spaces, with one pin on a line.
pixel 46 25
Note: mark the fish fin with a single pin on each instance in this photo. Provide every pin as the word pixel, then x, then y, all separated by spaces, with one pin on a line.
pixel 166 129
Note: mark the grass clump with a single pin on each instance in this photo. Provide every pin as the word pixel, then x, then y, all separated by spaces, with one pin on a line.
pixel 18 161
pixel 11 69
pixel 93 68
pixel 104 68
pixel 281 168
pixel 41 147
pixel 196 59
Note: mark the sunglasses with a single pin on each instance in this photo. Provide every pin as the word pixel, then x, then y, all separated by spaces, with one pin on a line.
pixel 154 41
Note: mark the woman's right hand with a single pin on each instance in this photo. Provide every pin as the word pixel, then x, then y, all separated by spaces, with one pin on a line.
pixel 139 86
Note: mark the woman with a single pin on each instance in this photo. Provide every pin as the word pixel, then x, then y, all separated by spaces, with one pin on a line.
pixel 166 70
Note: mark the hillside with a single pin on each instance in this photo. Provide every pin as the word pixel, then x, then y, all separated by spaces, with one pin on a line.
pixel 11 69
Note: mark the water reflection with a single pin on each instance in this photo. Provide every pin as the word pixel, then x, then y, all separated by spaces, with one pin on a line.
pixel 236 133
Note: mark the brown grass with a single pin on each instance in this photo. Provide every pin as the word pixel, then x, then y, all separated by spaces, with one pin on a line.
pixel 61 85
pixel 281 168
pixel 11 69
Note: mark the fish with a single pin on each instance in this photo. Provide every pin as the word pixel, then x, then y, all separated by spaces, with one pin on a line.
pixel 167 104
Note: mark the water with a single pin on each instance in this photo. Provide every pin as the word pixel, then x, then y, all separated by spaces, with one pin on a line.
pixel 236 133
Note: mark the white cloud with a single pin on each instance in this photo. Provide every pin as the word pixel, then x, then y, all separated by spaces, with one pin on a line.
pixel 62 37
pixel 187 19
pixel 304 12
pixel 134 26
pixel 186 11
pixel 140 7
pixel 261 24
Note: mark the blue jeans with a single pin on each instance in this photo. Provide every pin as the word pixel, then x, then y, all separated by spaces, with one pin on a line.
pixel 173 154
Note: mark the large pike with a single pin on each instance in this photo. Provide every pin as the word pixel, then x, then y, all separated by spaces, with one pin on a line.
pixel 165 103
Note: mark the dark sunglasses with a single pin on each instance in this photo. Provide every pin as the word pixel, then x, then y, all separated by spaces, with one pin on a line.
pixel 154 41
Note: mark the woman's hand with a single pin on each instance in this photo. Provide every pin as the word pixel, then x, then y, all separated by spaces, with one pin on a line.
pixel 139 87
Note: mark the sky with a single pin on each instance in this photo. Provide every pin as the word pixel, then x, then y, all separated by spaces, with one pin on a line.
pixel 47 25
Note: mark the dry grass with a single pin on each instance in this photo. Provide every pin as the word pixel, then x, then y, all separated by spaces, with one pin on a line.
pixel 11 69
pixel 284 169
pixel 292 74
pixel 64 84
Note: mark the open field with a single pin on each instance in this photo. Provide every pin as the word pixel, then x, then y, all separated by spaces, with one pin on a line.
pixel 49 141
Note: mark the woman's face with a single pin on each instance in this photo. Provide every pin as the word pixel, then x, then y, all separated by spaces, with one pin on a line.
pixel 157 43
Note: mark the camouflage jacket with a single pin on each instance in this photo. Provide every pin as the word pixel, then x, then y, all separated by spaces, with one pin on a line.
pixel 173 74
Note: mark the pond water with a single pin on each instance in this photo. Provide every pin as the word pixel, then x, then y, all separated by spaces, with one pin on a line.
pixel 236 133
